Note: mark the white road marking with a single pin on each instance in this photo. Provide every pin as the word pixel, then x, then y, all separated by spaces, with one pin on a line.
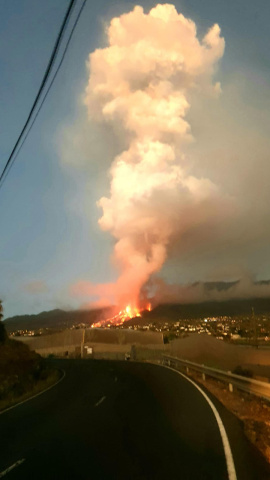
pixel 36 395
pixel 16 464
pixel 100 401
pixel 224 437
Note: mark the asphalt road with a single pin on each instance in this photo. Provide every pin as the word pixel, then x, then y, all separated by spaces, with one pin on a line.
pixel 122 420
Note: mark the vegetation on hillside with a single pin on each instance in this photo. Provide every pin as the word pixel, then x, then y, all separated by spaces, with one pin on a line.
pixel 22 371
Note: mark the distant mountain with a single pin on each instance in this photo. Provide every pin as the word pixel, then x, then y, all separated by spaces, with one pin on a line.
pixel 55 319
pixel 174 312
pixel 213 308
pixel 219 286
pixel 59 319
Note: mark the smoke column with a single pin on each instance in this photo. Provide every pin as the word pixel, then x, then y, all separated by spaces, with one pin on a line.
pixel 141 85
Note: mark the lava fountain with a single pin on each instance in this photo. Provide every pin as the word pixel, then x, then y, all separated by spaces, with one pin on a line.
pixel 121 317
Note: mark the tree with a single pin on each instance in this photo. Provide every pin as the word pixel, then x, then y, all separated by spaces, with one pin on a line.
pixel 3 333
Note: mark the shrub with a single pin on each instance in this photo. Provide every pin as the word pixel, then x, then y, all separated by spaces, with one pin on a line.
pixel 244 372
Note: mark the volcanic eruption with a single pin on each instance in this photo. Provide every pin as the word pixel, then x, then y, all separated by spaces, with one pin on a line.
pixel 142 85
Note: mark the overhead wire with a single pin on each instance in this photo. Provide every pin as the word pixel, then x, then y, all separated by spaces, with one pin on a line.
pixel 49 87
pixel 52 59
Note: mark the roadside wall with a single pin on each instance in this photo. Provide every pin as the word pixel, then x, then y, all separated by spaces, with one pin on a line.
pixel 209 351
pixel 61 339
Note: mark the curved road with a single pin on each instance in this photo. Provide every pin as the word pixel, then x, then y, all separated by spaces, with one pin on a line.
pixel 122 420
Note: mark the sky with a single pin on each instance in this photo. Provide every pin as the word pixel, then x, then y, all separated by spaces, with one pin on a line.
pixel 53 251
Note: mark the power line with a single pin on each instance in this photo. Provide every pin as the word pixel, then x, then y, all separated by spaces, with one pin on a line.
pixel 45 96
pixel 57 44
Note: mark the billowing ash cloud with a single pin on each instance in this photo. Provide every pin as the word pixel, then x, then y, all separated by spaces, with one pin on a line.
pixel 141 85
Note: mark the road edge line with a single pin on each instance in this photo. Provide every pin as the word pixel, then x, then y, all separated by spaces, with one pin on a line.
pixel 8 469
pixel 224 437
pixel 100 401
pixel 36 394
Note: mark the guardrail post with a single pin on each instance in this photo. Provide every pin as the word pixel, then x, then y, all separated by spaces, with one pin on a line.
pixel 230 387
pixel 187 369
pixel 203 376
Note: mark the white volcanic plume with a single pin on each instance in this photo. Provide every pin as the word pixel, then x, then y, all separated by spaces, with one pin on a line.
pixel 141 85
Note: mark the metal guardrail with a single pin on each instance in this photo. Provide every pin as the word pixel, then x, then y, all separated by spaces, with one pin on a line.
pixel 256 387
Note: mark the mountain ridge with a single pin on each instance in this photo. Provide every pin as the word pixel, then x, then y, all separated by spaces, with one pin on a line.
pixel 58 319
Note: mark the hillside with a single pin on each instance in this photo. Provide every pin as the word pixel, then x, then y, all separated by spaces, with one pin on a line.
pixel 230 308
pixel 212 309
pixel 55 319
pixel 59 319
pixel 22 371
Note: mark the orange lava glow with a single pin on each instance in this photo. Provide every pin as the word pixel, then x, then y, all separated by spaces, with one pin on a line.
pixel 122 316
pixel 131 312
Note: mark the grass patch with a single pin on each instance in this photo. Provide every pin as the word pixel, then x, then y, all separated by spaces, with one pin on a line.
pixel 20 392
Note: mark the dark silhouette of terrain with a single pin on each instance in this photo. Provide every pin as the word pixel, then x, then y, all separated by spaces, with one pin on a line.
pixel 60 319
pixel 22 371
pixel 55 319
pixel 213 308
